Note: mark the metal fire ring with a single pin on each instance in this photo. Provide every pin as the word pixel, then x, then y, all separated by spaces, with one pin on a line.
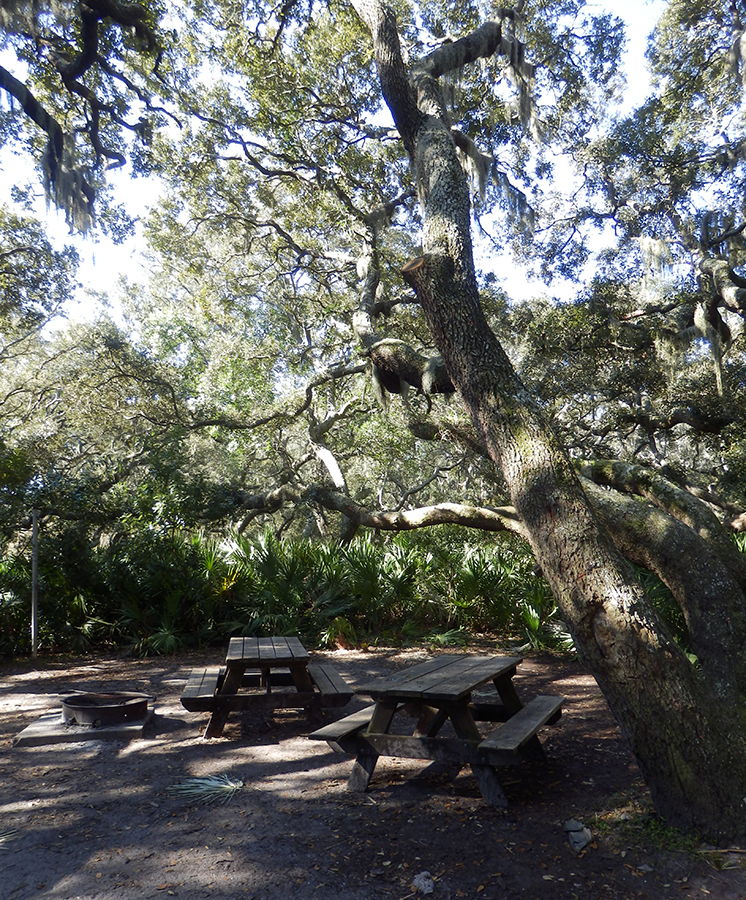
pixel 104 709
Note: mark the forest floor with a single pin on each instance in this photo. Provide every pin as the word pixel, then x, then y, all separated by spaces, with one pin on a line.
pixel 94 819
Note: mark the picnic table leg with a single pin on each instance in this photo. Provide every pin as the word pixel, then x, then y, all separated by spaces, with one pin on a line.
pixel 430 722
pixel 486 776
pixel 216 724
pixel 301 677
pixel 508 694
pixel 362 770
pixel 231 684
pixel 512 703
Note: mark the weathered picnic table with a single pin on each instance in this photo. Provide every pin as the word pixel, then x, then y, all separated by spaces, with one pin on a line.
pixel 263 674
pixel 435 692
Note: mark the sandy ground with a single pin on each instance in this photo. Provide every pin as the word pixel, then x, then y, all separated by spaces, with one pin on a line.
pixel 94 819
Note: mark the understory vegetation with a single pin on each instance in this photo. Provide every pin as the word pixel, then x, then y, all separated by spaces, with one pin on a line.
pixel 157 593
pixel 149 593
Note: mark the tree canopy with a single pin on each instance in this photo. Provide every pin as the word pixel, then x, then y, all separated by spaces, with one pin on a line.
pixel 327 341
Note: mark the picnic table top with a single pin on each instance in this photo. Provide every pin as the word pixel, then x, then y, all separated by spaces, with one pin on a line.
pixel 270 652
pixel 444 679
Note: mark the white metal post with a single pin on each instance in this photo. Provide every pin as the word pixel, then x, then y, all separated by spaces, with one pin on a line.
pixel 34 582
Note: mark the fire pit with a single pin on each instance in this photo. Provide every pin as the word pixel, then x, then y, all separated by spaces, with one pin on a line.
pixel 104 709
pixel 105 716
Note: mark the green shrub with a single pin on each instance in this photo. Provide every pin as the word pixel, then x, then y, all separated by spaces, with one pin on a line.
pixel 159 590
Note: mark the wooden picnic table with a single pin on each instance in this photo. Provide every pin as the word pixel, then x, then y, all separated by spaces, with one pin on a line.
pixel 263 674
pixel 435 692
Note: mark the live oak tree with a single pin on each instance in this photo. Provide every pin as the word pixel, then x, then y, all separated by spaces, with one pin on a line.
pixel 685 725
pixel 336 245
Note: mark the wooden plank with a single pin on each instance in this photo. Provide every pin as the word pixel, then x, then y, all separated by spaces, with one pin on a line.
pixel 489 786
pixel 255 652
pixel 266 649
pixel 290 648
pixel 222 705
pixel 243 649
pixel 202 682
pixel 519 729
pixel 296 648
pixel 200 688
pixel 320 678
pixel 430 721
pixel 405 746
pixel 233 679
pixel 383 713
pixel 199 704
pixel 463 723
pixel 508 694
pixel 442 682
pixel 216 725
pixel 419 686
pixel 449 750
pixel 463 677
pixel 342 728
pixel 245 700
pixel 301 678
pixel 453 681
pixel 329 681
pixel 385 683
pixel 280 647
pixel 449 753
pixel 362 771
pixel 275 700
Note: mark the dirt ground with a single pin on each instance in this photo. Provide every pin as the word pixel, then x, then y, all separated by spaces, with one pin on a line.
pixel 94 819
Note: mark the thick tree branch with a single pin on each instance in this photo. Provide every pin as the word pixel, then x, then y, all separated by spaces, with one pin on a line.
pixel 707 587
pixel 675 501
pixel 396 363
pixel 697 419
pixel 728 290
pixel 484 518
pixel 69 188
pixel 400 96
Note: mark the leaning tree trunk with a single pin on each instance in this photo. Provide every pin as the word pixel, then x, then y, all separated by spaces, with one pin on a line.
pixel 688 732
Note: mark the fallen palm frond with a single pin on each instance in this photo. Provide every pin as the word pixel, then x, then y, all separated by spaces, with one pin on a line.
pixel 207 789
pixel 7 835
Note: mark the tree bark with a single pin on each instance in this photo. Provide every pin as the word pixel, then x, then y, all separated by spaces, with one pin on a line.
pixel 686 730
pixel 705 587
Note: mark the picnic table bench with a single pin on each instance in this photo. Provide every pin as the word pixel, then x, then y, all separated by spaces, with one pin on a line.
pixel 263 674
pixel 435 692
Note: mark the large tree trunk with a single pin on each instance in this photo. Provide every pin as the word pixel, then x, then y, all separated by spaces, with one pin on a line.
pixel 686 727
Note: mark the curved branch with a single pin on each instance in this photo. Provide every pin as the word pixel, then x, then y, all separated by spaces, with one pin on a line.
pixel 127 15
pixel 482 517
pixel 483 42
pixel 63 181
pixel 698 420
pixel 728 289
pixel 32 107
pixel 676 501
pixel 396 361
pixel 706 587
